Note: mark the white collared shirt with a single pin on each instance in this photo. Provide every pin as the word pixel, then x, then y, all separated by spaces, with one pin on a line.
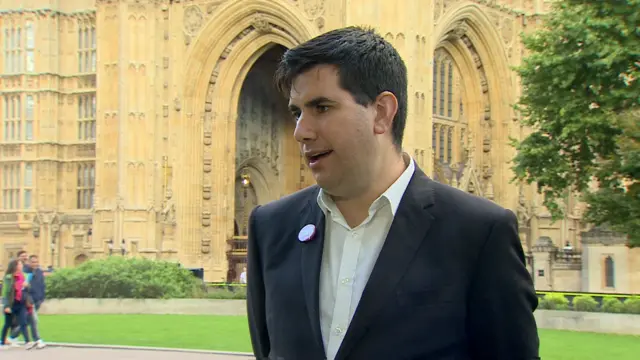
pixel 349 255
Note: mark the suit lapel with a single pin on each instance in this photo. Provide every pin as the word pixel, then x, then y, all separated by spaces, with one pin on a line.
pixel 310 262
pixel 408 230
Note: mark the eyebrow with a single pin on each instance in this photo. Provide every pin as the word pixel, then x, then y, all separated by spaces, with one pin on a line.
pixel 312 103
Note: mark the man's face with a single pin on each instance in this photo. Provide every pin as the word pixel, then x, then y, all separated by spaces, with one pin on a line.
pixel 34 262
pixel 336 134
pixel 23 258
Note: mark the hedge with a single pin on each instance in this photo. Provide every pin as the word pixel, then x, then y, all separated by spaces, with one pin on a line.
pixel 117 277
pixel 609 304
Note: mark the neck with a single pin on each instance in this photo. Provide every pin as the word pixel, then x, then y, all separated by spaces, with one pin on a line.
pixel 356 209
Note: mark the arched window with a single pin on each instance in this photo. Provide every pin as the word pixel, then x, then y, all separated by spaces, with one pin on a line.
pixel 609 272
pixel 450 145
pixel 435 88
pixel 449 124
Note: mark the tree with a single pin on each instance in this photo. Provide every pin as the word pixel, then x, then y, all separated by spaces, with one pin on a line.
pixel 581 99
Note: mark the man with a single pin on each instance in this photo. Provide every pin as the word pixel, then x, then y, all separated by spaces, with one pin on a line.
pixel 378 261
pixel 23 257
pixel 36 291
pixel 243 276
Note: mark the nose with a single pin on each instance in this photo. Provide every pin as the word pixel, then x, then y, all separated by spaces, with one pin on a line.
pixel 305 130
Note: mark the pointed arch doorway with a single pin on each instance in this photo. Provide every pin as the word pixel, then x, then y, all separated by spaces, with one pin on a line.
pixel 267 160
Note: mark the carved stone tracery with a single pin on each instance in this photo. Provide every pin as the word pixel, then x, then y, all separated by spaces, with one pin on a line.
pixel 259 125
pixel 313 8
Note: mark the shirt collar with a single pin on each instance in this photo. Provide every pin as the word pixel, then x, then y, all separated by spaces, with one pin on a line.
pixel 393 194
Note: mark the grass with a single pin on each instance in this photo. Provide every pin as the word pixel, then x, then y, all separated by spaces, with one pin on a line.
pixel 226 333
pixel 230 333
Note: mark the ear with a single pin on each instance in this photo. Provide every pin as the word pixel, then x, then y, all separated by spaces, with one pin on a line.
pixel 386 105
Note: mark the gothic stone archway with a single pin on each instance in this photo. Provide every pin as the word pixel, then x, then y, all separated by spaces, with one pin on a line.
pixel 243 30
pixel 465 35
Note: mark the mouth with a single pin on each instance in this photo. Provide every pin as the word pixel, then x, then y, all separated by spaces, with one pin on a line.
pixel 314 157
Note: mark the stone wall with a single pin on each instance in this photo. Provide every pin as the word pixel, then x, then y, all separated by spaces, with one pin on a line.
pixel 144 306
pixel 588 322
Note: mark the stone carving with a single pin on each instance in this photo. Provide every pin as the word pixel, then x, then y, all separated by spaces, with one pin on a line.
pixel 260 23
pixel 206 165
pixel 320 23
pixel 507 31
pixel 495 18
pixel 488 192
pixel 483 82
pixel 193 19
pixel 206 192
pixel 523 212
pixel 206 246
pixel 207 138
pixel 169 213
pixel 313 8
pixel 437 10
pixel 487 171
pixel 460 30
pixel 486 143
pixel 206 218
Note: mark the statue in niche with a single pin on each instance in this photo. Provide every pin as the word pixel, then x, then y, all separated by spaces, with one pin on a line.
pixel 169 211
pixel 523 212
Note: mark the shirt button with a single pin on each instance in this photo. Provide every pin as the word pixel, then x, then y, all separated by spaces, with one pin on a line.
pixel 346 280
pixel 354 234
pixel 338 330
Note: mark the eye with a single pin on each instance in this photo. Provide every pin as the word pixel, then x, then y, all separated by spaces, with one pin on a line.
pixel 322 108
pixel 295 114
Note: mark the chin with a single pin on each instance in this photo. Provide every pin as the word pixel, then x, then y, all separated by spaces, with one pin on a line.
pixel 322 181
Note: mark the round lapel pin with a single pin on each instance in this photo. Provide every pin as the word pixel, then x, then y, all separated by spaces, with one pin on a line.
pixel 306 233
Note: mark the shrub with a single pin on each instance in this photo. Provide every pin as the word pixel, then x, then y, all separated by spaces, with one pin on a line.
pixel 117 277
pixel 611 305
pixel 223 293
pixel 585 303
pixel 632 305
pixel 554 302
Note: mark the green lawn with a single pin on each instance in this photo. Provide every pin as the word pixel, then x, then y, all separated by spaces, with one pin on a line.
pixel 230 333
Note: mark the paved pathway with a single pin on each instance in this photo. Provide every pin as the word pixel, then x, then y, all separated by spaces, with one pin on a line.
pixel 77 353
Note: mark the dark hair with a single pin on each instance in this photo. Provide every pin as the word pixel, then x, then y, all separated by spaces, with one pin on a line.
pixel 367 65
pixel 13 266
pixel 33 257
pixel 21 252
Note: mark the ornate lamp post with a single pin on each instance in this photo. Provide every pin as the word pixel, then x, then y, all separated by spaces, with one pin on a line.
pixel 246 182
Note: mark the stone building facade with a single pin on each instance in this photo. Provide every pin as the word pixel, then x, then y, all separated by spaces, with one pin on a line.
pixel 152 125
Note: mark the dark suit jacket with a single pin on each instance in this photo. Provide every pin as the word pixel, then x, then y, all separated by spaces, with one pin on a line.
pixel 450 282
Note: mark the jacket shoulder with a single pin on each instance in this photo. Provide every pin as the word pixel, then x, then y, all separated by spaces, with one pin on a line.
pixel 464 205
